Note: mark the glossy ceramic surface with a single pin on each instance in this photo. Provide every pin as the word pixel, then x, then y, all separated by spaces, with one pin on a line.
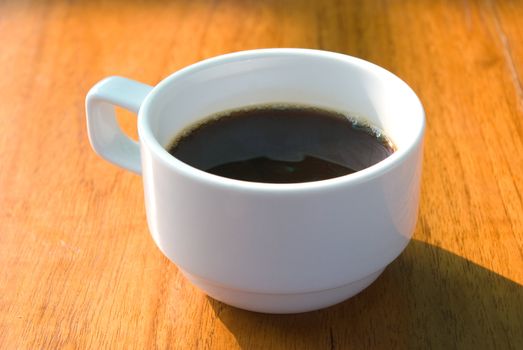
pixel 270 247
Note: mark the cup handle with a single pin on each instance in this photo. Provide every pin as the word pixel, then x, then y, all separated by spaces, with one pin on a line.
pixel 105 135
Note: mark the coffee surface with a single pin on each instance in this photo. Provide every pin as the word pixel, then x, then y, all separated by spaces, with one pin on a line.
pixel 281 144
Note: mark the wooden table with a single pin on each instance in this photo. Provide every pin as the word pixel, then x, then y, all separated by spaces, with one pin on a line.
pixel 78 268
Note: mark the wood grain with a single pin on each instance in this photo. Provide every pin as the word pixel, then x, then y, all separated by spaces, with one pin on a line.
pixel 78 268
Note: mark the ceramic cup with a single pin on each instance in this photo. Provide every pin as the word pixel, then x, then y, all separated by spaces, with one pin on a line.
pixel 275 248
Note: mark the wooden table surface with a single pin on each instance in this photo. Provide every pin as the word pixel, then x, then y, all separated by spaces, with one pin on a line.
pixel 78 268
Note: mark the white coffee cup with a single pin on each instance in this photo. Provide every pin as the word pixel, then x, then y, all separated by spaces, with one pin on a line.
pixel 277 248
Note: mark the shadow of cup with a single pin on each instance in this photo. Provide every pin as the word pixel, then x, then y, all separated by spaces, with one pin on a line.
pixel 427 298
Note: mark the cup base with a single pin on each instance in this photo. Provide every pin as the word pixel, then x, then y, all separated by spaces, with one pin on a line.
pixel 282 303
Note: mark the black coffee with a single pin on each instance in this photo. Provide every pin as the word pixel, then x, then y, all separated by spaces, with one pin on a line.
pixel 281 144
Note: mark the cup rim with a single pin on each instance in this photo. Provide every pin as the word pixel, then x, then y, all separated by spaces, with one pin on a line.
pixel 147 137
